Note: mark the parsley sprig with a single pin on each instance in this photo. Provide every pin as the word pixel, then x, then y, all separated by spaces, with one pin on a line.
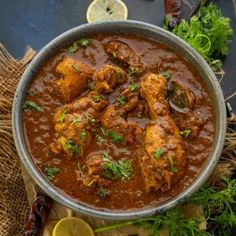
pixel 217 205
pixel 116 169
pixel 208 32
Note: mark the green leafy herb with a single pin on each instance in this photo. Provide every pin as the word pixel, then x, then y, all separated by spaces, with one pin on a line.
pixel 130 74
pixel 98 98
pixel 100 139
pixel 51 172
pixel 116 169
pixel 185 133
pixel 76 120
pixel 61 117
pixel 134 87
pixel 121 101
pixel 118 72
pixel 208 32
pixel 83 42
pixel 83 135
pixel 30 105
pixel 158 153
pixel 75 46
pixel 166 75
pixel 114 54
pixel 173 168
pixel 76 68
pixel 103 192
pixel 217 205
pixel 115 137
pixel 90 119
pixel 72 146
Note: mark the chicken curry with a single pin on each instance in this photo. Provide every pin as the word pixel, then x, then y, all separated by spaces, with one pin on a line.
pixel 118 122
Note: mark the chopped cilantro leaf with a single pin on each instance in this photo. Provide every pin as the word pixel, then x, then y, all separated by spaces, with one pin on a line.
pixel 51 172
pixel 76 120
pixel 130 74
pixel 121 101
pixel 98 98
pixel 83 42
pixel 90 119
pixel 83 135
pixel 114 54
pixel 134 87
pixel 166 75
pixel 173 169
pixel 158 153
pixel 72 146
pixel 103 192
pixel 60 118
pixel 116 169
pixel 30 105
pixel 185 133
pixel 75 46
pixel 115 137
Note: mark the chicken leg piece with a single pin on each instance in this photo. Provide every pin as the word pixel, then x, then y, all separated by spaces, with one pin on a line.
pixel 162 162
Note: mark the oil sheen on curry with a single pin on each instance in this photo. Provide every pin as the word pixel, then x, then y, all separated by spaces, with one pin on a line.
pixel 119 122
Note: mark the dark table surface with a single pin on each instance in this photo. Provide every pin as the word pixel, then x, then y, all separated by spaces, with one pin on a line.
pixel 34 23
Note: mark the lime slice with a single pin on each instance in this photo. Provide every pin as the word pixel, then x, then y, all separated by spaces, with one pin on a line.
pixel 100 10
pixel 72 226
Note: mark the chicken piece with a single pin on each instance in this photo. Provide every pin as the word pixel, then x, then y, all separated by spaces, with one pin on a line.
pixel 74 77
pixel 162 163
pixel 113 119
pixel 108 78
pixel 74 123
pixel 125 54
pixel 93 176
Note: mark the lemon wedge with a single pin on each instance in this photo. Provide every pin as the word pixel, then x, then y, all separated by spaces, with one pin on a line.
pixel 72 226
pixel 100 10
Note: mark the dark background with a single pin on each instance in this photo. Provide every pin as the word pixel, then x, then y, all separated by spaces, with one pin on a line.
pixel 35 22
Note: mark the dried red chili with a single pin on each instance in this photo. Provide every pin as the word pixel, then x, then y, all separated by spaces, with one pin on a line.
pixel 173 10
pixel 38 215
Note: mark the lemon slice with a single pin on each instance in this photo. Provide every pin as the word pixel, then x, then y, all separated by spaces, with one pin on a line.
pixel 72 226
pixel 100 10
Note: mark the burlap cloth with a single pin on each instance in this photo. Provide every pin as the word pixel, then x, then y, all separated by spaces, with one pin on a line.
pixel 17 188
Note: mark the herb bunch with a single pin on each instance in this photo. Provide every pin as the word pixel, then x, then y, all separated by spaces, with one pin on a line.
pixel 217 205
pixel 208 32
